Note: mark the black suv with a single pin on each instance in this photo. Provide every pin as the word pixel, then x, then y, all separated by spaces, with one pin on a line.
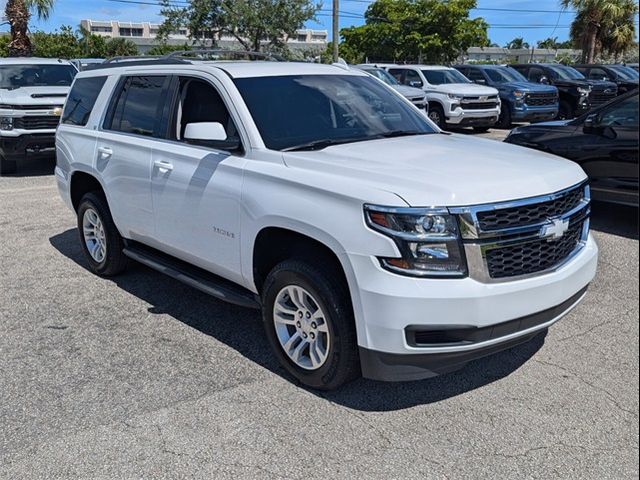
pixel 577 94
pixel 614 73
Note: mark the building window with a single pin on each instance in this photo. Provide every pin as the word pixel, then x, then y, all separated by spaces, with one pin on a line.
pixel 95 29
pixel 130 32
pixel 302 38
pixel 318 38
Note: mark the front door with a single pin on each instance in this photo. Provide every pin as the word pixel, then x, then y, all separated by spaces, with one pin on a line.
pixel 196 184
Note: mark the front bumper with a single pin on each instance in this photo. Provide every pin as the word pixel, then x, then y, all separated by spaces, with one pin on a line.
pixel 389 304
pixel 528 114
pixel 473 118
pixel 35 144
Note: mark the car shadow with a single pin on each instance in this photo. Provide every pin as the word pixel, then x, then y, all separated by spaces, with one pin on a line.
pixel 618 220
pixel 195 309
pixel 35 167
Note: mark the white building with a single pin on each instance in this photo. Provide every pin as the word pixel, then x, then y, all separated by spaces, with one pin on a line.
pixel 143 34
pixel 519 55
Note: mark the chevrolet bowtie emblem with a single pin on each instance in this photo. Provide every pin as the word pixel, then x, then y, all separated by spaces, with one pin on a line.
pixel 555 229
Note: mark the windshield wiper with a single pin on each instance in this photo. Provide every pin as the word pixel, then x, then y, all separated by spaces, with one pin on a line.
pixel 401 133
pixel 324 143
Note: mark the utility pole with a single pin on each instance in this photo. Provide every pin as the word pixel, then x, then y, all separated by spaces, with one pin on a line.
pixel 335 30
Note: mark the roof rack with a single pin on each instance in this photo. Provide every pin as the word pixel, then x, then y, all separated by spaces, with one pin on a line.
pixel 131 58
pixel 223 52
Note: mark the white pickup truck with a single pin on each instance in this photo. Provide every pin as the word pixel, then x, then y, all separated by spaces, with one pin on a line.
pixel 373 242
pixel 32 92
pixel 453 99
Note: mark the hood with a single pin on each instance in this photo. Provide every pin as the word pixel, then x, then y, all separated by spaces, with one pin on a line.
pixel 408 92
pixel 530 87
pixel 560 82
pixel 34 96
pixel 464 89
pixel 443 169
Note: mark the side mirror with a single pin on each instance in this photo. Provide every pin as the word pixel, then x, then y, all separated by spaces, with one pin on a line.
pixel 415 84
pixel 207 131
pixel 544 80
pixel 480 81
pixel 590 122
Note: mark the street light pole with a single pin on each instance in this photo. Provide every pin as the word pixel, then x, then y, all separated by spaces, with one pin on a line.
pixel 335 30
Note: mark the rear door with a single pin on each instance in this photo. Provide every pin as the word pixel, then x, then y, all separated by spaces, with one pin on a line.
pixel 196 184
pixel 123 155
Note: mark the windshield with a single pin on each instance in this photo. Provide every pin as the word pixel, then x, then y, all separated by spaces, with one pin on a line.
pixel 623 73
pixel 505 75
pixel 295 110
pixel 383 75
pixel 438 77
pixel 17 76
pixel 566 73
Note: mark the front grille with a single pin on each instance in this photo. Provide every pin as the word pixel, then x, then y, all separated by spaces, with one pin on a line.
pixel 36 122
pixel 540 99
pixel 530 214
pixel 29 107
pixel 598 97
pixel 532 257
pixel 479 105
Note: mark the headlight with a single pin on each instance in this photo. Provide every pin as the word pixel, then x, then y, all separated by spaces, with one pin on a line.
pixel 519 94
pixel 453 96
pixel 428 240
pixel 584 91
pixel 6 123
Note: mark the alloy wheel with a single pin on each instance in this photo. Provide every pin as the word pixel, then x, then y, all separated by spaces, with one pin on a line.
pixel 94 236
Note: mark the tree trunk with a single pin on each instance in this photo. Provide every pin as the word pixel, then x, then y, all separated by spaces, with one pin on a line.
pixel 18 17
pixel 592 34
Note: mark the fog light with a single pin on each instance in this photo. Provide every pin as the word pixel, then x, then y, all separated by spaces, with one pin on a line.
pixel 431 251
pixel 6 123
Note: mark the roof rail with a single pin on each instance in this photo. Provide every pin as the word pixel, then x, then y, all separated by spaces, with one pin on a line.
pixel 239 53
pixel 131 58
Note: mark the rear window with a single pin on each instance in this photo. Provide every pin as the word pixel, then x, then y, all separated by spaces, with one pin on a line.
pixel 81 100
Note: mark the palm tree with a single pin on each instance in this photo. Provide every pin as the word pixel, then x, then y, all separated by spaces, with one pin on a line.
pixel 517 43
pixel 18 13
pixel 594 18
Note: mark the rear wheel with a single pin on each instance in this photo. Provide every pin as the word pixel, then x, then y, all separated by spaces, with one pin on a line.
pixel 7 166
pixel 436 115
pixel 101 242
pixel 308 320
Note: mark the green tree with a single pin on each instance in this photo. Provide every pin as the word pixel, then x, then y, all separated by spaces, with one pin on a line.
pixel 255 24
pixel 120 47
pixel 516 43
pixel 602 25
pixel 414 30
pixel 18 13
pixel 59 44
pixel 163 48
pixel 551 42
pixel 91 45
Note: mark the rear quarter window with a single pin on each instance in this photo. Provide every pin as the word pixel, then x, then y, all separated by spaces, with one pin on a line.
pixel 81 100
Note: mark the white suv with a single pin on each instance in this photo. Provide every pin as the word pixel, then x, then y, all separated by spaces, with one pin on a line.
pixel 453 99
pixel 32 92
pixel 373 243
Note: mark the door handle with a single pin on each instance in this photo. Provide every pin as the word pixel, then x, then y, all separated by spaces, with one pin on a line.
pixel 163 167
pixel 105 152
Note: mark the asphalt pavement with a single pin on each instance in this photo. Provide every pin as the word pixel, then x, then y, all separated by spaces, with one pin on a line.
pixel 142 377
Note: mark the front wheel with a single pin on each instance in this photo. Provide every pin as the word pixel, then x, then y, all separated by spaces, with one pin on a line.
pixel 436 115
pixel 7 167
pixel 565 111
pixel 308 320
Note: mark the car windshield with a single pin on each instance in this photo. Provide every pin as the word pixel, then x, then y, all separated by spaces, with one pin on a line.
pixel 17 76
pixel 383 75
pixel 565 73
pixel 310 112
pixel 505 75
pixel 623 73
pixel 438 77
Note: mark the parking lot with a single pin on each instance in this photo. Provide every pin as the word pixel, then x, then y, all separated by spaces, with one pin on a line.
pixel 142 377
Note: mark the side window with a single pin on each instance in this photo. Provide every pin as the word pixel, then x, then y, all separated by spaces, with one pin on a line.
pixel 199 102
pixel 81 100
pixel 623 114
pixel 598 74
pixel 474 75
pixel 413 79
pixel 137 109
pixel 535 74
pixel 397 74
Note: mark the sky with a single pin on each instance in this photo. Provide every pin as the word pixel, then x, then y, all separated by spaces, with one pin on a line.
pixel 504 25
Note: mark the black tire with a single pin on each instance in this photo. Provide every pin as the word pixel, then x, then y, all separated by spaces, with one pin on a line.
pixel 565 111
pixel 323 283
pixel 504 120
pixel 7 167
pixel 114 261
pixel 481 129
pixel 436 114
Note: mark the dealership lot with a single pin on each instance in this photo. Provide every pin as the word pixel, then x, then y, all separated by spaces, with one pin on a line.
pixel 141 376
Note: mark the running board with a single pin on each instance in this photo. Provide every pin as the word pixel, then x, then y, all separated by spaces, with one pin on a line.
pixel 191 275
